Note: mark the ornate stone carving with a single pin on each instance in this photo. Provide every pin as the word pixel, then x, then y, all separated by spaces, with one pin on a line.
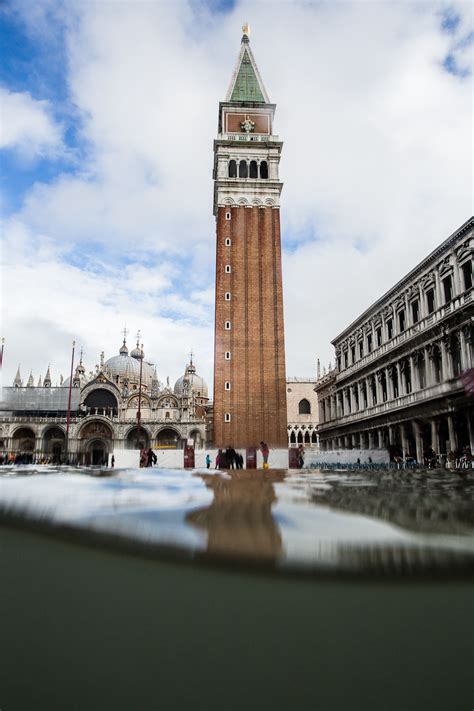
pixel 444 265
pixel 428 280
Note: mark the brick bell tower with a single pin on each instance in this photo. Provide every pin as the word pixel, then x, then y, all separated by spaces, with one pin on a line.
pixel 249 348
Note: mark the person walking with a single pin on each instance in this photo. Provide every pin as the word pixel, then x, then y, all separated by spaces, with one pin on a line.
pixel 300 456
pixel 112 461
pixel 208 461
pixel 230 454
pixel 151 458
pixel 265 452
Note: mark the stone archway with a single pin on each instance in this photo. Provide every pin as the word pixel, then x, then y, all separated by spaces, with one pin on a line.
pixel 196 436
pixel 24 444
pixel 54 441
pixel 137 439
pixel 168 438
pixel 96 439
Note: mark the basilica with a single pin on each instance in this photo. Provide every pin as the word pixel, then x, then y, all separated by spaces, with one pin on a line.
pixel 121 404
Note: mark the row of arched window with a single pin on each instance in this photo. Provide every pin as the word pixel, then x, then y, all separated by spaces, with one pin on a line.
pixel 248 169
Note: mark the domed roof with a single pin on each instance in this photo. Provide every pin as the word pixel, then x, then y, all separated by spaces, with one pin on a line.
pixel 196 383
pixel 125 366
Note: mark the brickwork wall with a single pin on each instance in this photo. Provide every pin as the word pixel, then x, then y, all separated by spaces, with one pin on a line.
pixel 256 370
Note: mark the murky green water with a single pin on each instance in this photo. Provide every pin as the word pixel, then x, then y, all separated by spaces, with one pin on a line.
pixel 207 612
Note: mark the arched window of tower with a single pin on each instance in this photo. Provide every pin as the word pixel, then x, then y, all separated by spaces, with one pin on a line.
pixel 227 296
pixel 253 169
pixel 304 408
pixel 228 216
pixel 243 169
pixel 232 169
pixel 227 269
pixel 264 169
pixel 228 242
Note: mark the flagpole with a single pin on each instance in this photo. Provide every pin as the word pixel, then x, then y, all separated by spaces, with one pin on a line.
pixel 139 411
pixel 1 352
pixel 68 419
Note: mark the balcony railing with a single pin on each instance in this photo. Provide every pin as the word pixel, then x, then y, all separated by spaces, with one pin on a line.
pixel 250 137
pixel 397 403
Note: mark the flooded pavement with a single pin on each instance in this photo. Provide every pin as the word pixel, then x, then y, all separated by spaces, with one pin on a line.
pixel 365 600
pixel 400 523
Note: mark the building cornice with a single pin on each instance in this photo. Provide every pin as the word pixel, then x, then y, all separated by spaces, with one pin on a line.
pixel 400 285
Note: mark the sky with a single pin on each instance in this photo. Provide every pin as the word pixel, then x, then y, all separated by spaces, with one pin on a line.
pixel 108 114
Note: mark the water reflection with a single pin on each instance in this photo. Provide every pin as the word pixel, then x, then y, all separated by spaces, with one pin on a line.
pixel 425 502
pixel 239 521
pixel 400 523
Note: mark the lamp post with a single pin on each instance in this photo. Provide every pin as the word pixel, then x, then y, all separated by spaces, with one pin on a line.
pixel 68 419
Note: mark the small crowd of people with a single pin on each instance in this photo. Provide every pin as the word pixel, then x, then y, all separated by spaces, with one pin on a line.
pixel 226 459
pixel 147 458
pixel 460 459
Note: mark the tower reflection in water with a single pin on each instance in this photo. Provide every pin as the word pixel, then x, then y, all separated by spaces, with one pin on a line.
pixel 239 522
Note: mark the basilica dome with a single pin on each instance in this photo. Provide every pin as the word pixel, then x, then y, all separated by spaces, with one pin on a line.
pixel 125 366
pixel 193 381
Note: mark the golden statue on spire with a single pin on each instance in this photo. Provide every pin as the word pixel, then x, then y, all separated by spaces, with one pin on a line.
pixel 246 29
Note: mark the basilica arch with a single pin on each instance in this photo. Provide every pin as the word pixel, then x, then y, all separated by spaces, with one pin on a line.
pixel 53 443
pixel 95 442
pixel 135 439
pixel 24 443
pixel 168 438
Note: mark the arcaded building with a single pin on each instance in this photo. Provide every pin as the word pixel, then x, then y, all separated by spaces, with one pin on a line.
pixel 103 411
pixel 249 352
pixel 403 367
pixel 302 412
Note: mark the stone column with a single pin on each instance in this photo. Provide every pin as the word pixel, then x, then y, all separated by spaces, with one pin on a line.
pixel 391 435
pixel 457 289
pixel 465 361
pixel 434 436
pixel 389 382
pixel 470 429
pixel 371 440
pixel 401 385
pixel 352 398
pixel 404 440
pixel 419 442
pixel 445 364
pixel 428 365
pixel 414 375
pixel 453 445
pixel 354 442
pixel 380 439
pixel 346 442
pixel 378 386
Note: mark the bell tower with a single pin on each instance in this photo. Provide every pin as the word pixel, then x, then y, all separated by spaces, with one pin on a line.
pixel 249 347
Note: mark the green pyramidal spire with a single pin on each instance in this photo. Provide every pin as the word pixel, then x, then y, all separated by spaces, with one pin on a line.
pixel 247 86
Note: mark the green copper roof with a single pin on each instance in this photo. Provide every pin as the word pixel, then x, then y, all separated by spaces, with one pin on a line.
pixel 246 87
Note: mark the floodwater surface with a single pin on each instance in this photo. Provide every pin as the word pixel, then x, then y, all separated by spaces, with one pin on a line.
pixel 400 523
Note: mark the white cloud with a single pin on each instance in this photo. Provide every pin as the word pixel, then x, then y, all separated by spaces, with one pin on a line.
pixel 27 126
pixel 376 169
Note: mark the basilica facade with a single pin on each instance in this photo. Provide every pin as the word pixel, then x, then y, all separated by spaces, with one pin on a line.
pixel 122 404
